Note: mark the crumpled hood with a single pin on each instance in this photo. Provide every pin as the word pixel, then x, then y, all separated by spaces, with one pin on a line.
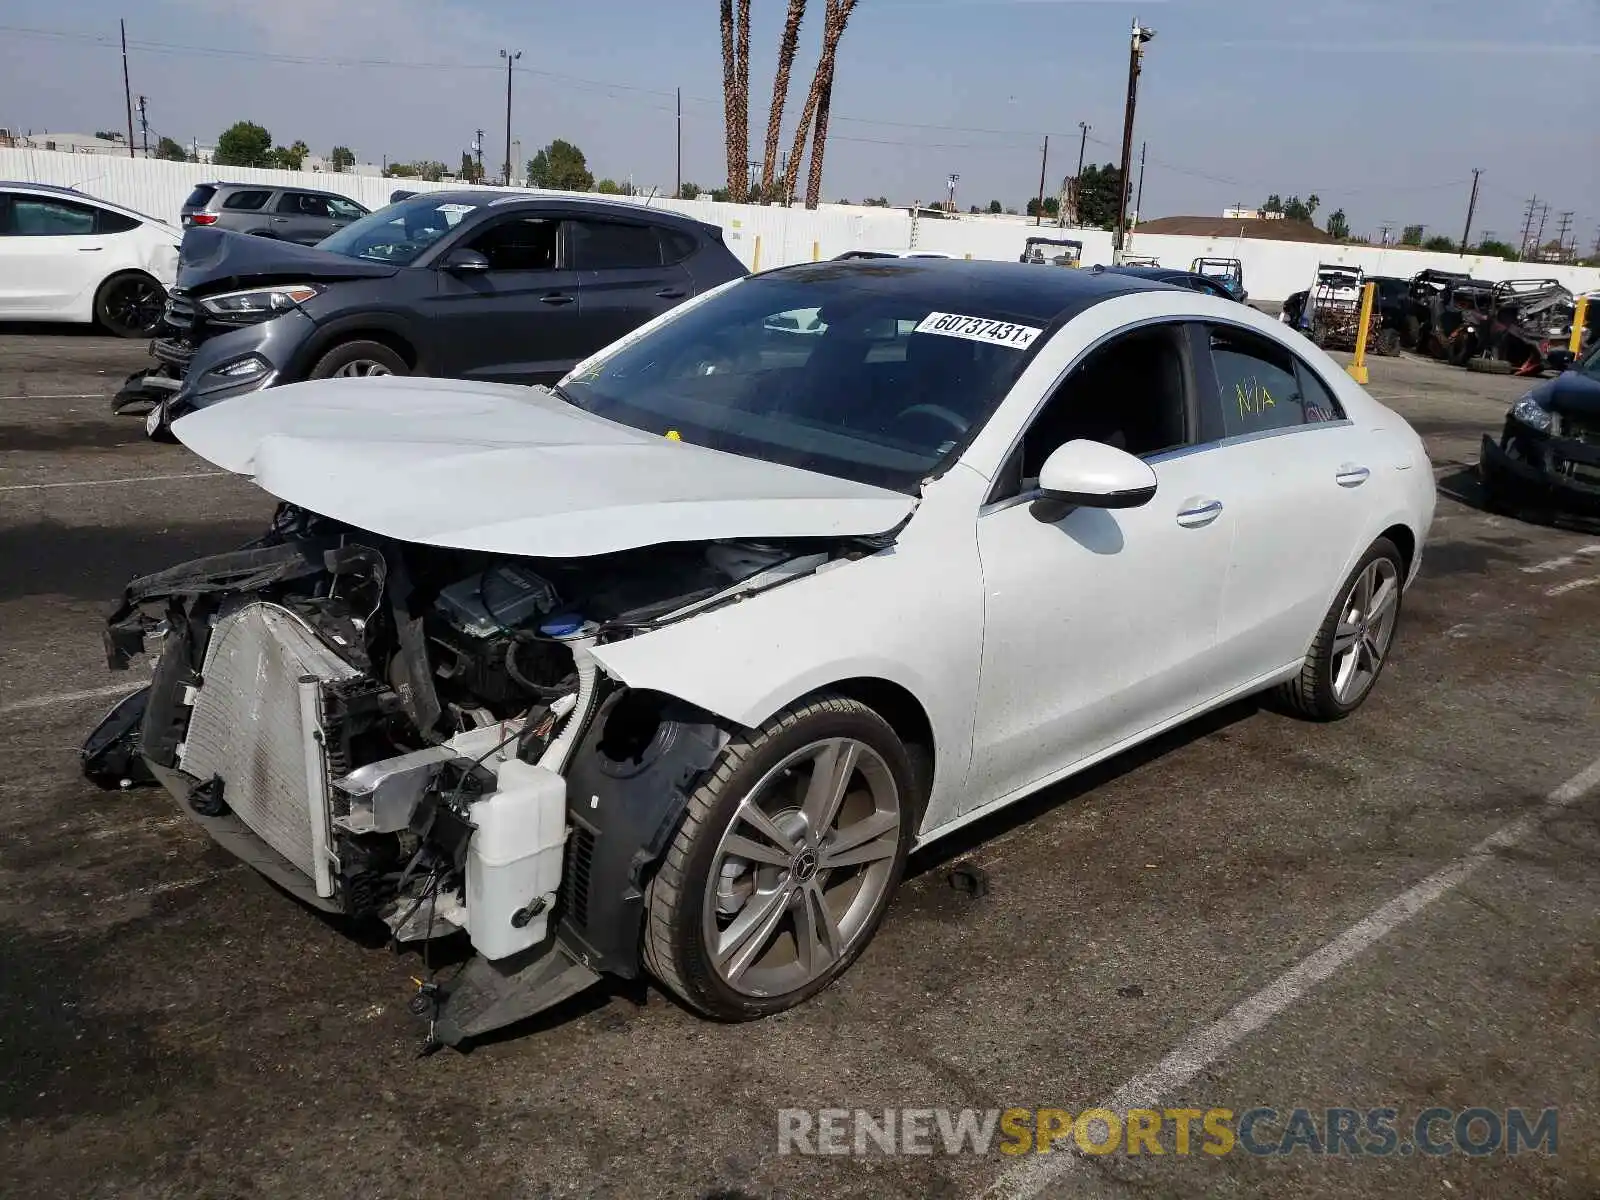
pixel 210 255
pixel 513 470
pixel 1569 392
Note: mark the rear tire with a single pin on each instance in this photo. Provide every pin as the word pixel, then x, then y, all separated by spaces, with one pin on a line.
pixel 359 360
pixel 758 848
pixel 1388 343
pixel 129 305
pixel 1353 642
pixel 1489 366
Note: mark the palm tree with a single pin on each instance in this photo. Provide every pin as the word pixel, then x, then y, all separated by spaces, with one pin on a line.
pixel 736 94
pixel 787 48
pixel 817 103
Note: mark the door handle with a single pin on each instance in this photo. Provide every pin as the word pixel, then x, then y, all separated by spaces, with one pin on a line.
pixel 670 293
pixel 1351 475
pixel 1199 511
pixel 280 220
pixel 90 249
pixel 556 298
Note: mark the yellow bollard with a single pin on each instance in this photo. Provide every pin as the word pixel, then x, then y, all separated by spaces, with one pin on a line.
pixel 969 257
pixel 757 265
pixel 1579 315
pixel 1358 368
pixel 816 251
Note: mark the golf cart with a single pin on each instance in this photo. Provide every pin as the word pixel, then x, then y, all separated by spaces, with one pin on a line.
pixel 1136 260
pixel 1227 271
pixel 1071 256
pixel 1331 315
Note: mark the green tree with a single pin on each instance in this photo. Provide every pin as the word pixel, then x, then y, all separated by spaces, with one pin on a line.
pixel 1098 189
pixel 721 195
pixel 469 168
pixel 341 158
pixel 1338 226
pixel 401 170
pixel 1296 209
pixel 170 150
pixel 292 158
pixel 560 166
pixel 995 207
pixel 1497 249
pixel 430 170
pixel 1440 243
pixel 244 144
pixel 608 187
pixel 689 191
pixel 1411 235
pixel 1052 207
pixel 1274 204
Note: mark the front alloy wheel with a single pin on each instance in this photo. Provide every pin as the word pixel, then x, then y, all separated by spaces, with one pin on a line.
pixel 785 861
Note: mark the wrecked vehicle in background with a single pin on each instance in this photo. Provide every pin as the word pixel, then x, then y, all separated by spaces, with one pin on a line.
pixel 1227 271
pixel 1547 459
pixel 1442 304
pixel 1523 321
pixel 1329 311
pixel 667 667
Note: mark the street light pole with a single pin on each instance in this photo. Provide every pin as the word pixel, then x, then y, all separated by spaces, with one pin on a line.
pixel 1141 35
pixel 510 58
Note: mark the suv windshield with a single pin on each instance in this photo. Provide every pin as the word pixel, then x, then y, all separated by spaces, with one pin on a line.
pixel 878 373
pixel 399 233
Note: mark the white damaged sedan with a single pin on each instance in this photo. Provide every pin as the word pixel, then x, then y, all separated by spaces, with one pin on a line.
pixel 669 667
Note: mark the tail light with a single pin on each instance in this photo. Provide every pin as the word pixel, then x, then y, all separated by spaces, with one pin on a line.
pixel 204 218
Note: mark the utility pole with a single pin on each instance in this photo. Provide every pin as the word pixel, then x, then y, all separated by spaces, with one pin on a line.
pixel 144 127
pixel 678 192
pixel 1597 241
pixel 478 147
pixel 127 91
pixel 1538 239
pixel 1138 200
pixel 1044 157
pixel 510 58
pixel 1562 230
pixel 1383 233
pixel 1140 35
pixel 1527 227
pixel 1471 204
pixel 1083 142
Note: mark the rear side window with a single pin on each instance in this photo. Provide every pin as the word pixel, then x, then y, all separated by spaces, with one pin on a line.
pixel 518 244
pixel 1262 387
pixel 201 196
pixel 345 210
pixel 248 201
pixel 303 204
pixel 613 246
pixel 40 216
pixel 107 221
pixel 676 246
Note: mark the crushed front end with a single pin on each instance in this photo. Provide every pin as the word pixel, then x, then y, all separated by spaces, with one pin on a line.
pixel 419 735
pixel 1548 456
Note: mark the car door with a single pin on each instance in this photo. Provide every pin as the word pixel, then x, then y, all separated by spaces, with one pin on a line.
pixel 624 276
pixel 50 256
pixel 517 322
pixel 1299 471
pixel 1101 623
pixel 302 217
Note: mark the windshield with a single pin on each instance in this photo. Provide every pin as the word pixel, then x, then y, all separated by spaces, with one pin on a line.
pixel 399 233
pixel 878 373
pixel 1589 365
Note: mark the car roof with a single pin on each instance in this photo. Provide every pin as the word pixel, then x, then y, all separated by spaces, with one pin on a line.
pixel 499 198
pixel 55 189
pixel 272 187
pixel 1044 294
pixel 44 187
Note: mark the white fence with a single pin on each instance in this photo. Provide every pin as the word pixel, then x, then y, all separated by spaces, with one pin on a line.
pixel 1272 270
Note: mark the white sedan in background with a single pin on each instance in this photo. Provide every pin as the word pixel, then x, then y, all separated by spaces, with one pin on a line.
pixel 65 256
pixel 669 667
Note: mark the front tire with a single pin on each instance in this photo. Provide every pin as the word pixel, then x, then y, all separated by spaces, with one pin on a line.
pixel 1353 642
pixel 785 861
pixel 358 360
pixel 130 305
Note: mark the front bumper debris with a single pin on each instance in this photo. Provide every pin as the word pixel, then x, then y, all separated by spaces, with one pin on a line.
pixel 1529 470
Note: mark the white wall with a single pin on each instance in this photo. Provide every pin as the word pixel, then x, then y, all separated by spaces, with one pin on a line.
pixel 1272 270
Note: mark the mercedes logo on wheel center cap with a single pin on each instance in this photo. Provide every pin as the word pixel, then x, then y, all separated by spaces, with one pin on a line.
pixel 804 866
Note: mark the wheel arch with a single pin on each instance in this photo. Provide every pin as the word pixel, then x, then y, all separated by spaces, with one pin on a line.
pixel 364 328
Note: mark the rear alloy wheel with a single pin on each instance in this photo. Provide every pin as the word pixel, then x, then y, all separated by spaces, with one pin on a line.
pixel 1388 342
pixel 1353 642
pixel 359 360
pixel 130 305
pixel 785 862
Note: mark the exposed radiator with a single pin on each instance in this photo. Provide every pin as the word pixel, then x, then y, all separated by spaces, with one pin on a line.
pixel 255 724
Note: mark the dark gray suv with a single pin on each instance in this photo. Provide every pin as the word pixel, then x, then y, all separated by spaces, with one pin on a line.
pixel 503 287
pixel 290 214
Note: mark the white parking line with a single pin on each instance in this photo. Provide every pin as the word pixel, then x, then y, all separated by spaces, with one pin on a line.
pixel 1564 560
pixel 1561 589
pixel 30 487
pixel 63 396
pixel 116 689
pixel 1032 1176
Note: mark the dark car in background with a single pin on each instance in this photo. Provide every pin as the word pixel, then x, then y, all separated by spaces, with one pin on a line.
pixel 1392 300
pixel 1206 284
pixel 468 285
pixel 290 214
pixel 1547 459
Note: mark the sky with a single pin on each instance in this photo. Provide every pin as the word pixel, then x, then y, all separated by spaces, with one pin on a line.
pixel 1380 107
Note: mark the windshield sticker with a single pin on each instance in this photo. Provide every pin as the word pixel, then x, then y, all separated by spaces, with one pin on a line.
pixel 979 329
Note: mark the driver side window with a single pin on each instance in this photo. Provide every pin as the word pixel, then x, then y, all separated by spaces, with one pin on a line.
pixel 518 244
pixel 1131 393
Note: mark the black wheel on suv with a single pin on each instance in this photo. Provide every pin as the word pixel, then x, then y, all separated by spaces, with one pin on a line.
pixel 130 304
pixel 351 360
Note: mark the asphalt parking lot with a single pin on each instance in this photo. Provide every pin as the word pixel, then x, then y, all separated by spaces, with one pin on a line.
pixel 170 1025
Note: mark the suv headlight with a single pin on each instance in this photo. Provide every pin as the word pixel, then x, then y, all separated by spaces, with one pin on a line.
pixel 258 304
pixel 1527 411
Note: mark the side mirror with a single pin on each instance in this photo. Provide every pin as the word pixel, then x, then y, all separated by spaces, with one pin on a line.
pixel 1560 360
pixel 1095 475
pixel 464 262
